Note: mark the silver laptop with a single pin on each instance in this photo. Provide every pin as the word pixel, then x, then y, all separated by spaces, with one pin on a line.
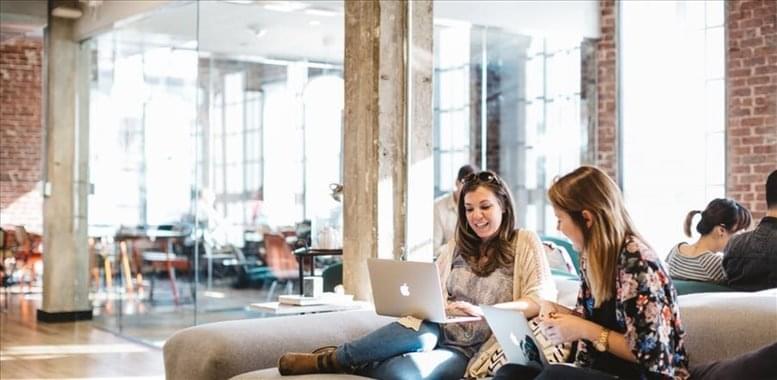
pixel 402 288
pixel 514 334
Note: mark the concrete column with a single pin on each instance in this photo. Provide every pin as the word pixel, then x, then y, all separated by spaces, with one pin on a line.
pixel 420 193
pixel 392 131
pixel 65 258
pixel 374 142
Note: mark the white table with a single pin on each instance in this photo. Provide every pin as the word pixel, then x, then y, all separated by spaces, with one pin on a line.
pixel 282 309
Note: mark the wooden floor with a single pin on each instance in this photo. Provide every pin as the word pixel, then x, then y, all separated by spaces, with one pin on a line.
pixel 154 322
pixel 34 350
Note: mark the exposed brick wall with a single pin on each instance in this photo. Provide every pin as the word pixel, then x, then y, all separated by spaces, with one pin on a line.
pixel 751 94
pixel 606 148
pixel 21 131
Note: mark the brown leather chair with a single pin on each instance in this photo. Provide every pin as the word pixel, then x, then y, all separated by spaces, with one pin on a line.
pixel 28 254
pixel 283 266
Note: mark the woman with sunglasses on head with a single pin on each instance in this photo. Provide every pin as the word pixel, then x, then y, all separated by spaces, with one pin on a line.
pixel 626 322
pixel 488 262
pixel 703 260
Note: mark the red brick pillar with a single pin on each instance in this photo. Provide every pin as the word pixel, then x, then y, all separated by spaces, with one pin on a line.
pixel 751 100
pixel 606 147
pixel 21 131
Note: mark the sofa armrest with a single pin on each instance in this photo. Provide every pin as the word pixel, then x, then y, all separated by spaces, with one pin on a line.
pixel 724 325
pixel 225 349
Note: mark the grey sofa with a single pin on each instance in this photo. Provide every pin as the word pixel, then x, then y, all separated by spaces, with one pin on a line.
pixel 719 325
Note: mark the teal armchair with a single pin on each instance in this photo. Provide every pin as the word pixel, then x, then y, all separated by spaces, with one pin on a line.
pixel 567 245
pixel 332 276
pixel 690 287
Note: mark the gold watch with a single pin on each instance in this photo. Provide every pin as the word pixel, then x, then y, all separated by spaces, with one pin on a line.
pixel 601 344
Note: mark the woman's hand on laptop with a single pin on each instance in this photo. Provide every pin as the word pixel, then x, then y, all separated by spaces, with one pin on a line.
pixel 549 310
pixel 463 308
pixel 566 327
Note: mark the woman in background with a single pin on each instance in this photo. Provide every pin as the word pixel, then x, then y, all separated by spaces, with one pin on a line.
pixel 703 260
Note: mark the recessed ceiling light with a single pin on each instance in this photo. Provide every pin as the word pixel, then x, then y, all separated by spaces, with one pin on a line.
pixel 320 12
pixel 314 23
pixel 285 6
pixel 66 12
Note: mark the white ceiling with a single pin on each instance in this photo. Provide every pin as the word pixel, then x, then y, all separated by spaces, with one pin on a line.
pixel 315 30
pixel 22 18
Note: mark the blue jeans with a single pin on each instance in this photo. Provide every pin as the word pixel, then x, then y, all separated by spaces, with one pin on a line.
pixel 397 352
pixel 551 372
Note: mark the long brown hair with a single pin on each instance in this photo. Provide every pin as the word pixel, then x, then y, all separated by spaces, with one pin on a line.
pixel 589 188
pixel 498 250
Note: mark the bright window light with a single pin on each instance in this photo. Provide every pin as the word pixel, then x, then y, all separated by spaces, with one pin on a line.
pixel 672 113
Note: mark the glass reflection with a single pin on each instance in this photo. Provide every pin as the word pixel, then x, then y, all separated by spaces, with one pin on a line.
pixel 210 131
pixel 509 102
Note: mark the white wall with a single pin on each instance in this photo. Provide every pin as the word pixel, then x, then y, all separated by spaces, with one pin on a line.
pixel 23 16
pixel 561 17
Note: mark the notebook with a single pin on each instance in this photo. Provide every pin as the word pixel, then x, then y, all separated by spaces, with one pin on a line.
pixel 408 288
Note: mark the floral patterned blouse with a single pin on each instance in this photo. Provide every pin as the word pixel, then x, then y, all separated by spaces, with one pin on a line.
pixel 646 313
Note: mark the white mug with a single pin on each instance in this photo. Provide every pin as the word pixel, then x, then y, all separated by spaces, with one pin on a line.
pixel 312 286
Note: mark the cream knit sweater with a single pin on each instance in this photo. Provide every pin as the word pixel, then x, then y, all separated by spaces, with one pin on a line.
pixel 531 276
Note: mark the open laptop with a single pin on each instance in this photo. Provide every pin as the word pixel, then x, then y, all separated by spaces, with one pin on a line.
pixel 516 337
pixel 402 288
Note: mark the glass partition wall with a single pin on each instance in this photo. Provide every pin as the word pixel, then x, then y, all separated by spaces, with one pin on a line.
pixel 216 127
pixel 213 125
pixel 142 85
pixel 515 102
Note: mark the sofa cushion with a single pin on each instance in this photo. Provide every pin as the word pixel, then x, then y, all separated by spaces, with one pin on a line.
pixel 272 373
pixel 719 326
pixel 225 349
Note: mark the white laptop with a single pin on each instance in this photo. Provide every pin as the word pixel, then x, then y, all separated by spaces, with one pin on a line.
pixel 514 334
pixel 402 288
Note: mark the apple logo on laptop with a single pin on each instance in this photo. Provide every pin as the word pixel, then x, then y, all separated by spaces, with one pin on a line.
pixel 404 290
pixel 514 339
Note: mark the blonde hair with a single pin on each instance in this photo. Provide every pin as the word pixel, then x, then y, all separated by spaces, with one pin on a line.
pixel 589 188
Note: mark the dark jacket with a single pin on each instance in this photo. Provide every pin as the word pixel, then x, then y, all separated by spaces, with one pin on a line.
pixel 750 259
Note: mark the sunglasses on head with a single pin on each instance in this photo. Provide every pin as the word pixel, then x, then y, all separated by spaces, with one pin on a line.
pixel 484 176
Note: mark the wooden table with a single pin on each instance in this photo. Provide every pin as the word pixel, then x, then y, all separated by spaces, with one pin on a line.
pixel 305 252
pixel 166 260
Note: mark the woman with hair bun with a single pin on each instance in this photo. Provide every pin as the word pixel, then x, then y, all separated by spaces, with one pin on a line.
pixel 703 260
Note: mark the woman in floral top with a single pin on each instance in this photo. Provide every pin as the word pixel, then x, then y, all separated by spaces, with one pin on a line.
pixel 626 322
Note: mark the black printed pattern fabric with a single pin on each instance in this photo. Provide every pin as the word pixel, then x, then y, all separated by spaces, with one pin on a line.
pixel 646 313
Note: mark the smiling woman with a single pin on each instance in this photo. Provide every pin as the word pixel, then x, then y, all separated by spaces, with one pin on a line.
pixel 489 262
pixel 484 213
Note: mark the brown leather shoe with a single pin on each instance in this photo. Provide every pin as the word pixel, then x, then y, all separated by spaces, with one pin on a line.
pixel 321 361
